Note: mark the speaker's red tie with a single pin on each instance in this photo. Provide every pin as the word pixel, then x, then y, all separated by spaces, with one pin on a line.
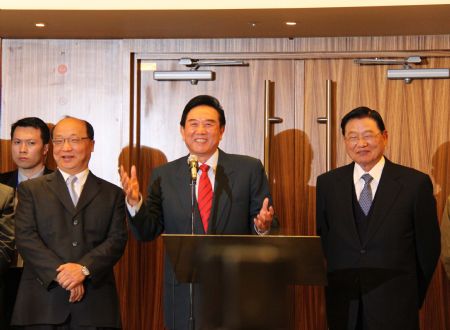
pixel 205 196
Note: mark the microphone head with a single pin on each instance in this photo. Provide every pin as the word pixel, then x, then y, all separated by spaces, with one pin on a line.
pixel 193 165
pixel 192 159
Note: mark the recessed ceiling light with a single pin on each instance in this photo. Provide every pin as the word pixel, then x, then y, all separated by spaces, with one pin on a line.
pixel 40 25
pixel 252 24
pixel 291 23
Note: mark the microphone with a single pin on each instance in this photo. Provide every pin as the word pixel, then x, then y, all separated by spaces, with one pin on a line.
pixel 193 165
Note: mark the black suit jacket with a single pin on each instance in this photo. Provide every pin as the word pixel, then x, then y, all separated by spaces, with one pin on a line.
pixel 11 178
pixel 239 190
pixel 6 227
pixel 391 267
pixel 6 245
pixel 50 231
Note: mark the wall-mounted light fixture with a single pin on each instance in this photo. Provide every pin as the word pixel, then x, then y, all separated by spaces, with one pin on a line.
pixel 408 74
pixel 194 75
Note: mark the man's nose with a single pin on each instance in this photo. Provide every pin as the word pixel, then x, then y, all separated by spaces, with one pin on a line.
pixel 66 145
pixel 201 128
pixel 23 147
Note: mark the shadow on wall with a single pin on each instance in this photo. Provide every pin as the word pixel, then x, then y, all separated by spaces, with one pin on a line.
pixel 139 273
pixel 290 173
pixel 440 172
pixel 149 158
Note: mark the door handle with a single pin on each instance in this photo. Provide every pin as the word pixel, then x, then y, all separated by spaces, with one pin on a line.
pixel 327 120
pixel 268 120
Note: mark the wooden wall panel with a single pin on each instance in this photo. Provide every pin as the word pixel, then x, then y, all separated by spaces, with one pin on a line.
pixel 53 78
pixel 160 114
pixel 416 118
pixel 291 46
pixel 91 79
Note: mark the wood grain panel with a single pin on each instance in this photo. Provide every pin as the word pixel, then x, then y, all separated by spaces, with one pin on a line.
pixel 53 78
pixel 288 45
pixel 139 272
pixel 240 90
pixel 416 117
pixel 96 87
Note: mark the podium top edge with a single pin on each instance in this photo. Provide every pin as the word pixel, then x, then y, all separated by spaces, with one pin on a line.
pixel 260 236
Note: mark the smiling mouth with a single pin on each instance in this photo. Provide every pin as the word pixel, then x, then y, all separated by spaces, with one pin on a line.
pixel 200 140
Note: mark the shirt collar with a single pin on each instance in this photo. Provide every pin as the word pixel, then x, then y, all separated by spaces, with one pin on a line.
pixel 212 161
pixel 375 172
pixel 22 177
pixel 81 177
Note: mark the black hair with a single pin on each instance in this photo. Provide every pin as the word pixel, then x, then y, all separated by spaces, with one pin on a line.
pixel 35 123
pixel 203 100
pixel 362 112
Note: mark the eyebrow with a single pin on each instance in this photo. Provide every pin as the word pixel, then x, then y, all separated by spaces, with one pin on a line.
pixel 210 120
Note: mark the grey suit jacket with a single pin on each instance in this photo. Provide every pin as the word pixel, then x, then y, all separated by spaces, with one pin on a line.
pixel 239 190
pixel 51 231
pixel 391 267
pixel 6 226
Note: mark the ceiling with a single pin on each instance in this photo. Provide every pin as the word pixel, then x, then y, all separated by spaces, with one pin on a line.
pixel 226 23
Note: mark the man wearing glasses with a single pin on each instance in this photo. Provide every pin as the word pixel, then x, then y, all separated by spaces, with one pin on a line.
pixel 379 230
pixel 70 231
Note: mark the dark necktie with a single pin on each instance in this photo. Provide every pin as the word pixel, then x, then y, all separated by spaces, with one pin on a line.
pixel 365 199
pixel 205 196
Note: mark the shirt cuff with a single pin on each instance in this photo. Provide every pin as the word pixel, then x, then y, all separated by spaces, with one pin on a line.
pixel 134 209
pixel 261 233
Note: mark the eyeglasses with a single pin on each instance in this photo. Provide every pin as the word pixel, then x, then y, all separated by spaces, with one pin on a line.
pixel 368 137
pixel 73 141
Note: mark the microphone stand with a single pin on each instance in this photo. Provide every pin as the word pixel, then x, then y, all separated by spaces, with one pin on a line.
pixel 191 285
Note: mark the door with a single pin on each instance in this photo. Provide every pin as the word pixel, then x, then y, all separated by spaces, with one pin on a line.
pixel 241 90
pixel 416 116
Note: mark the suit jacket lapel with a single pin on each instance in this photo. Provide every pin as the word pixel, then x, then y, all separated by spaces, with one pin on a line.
pixel 385 197
pixel 13 179
pixel 344 191
pixel 223 186
pixel 57 184
pixel 90 190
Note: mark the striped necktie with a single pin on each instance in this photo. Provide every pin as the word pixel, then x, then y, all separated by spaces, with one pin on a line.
pixel 205 196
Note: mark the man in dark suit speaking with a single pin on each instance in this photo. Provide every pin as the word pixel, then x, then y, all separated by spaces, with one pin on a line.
pixel 379 230
pixel 232 196
pixel 70 231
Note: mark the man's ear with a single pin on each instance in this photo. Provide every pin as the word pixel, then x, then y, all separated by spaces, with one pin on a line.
pixel 45 150
pixel 182 132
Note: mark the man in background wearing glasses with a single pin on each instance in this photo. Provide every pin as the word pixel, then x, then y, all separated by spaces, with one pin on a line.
pixel 70 231
pixel 379 230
